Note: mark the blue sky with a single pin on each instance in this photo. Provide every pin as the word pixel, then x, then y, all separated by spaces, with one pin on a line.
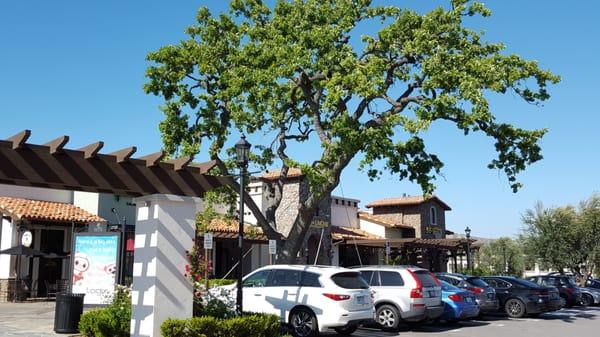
pixel 77 68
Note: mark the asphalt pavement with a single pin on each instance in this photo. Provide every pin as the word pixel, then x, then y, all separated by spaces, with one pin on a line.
pixel 37 320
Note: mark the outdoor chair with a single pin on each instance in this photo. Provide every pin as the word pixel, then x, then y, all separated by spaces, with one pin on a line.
pixel 51 289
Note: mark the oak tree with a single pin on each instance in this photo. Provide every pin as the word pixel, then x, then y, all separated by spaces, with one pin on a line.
pixel 298 71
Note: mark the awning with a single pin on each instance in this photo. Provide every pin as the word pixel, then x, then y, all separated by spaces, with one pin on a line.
pixel 27 209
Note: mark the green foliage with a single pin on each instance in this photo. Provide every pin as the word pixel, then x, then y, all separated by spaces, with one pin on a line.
pixel 220 282
pixel 298 72
pixel 477 271
pixel 502 256
pixel 564 238
pixel 112 321
pixel 247 325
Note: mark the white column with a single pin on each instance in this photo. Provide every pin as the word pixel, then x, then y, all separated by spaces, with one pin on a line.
pixel 164 229
pixel 7 238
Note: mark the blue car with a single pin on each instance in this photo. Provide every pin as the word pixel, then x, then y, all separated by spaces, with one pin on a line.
pixel 458 304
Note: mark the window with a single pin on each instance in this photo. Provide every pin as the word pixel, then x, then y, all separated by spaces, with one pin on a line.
pixel 349 280
pixel 425 277
pixel 503 284
pixel 432 215
pixel 355 204
pixel 285 278
pixel 337 201
pixel 343 202
pixel 371 277
pixel 391 279
pixel 310 280
pixel 257 280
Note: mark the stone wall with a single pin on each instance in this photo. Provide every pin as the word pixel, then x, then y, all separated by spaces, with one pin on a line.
pixel 416 216
pixel 3 290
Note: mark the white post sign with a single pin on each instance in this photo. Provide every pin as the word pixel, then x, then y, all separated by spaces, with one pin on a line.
pixel 208 241
pixel 272 247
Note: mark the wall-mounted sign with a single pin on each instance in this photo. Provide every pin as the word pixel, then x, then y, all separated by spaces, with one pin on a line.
pixel 208 241
pixel 27 239
pixel 319 224
pixel 97 227
pixel 272 247
pixel 433 229
pixel 94 265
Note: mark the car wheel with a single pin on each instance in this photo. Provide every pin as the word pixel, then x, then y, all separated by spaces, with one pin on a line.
pixel 304 323
pixel 346 331
pixel 587 300
pixel 514 308
pixel 388 317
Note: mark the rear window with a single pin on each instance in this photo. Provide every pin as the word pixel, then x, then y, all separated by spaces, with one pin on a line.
pixel 391 279
pixel 349 280
pixel 478 282
pixel 425 277
pixel 448 287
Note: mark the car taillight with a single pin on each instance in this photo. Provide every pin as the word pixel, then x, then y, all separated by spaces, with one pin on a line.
pixel 476 290
pixel 455 298
pixel 337 297
pixel 418 291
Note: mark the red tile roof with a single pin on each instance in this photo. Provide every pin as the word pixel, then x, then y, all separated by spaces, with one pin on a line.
pixel 382 221
pixel 228 229
pixel 26 209
pixel 351 233
pixel 407 201
pixel 275 174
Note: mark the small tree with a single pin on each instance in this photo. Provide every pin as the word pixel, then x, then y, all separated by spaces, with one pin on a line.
pixel 298 72
pixel 502 256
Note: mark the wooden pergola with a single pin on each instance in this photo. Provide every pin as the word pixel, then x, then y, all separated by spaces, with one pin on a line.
pixel 51 165
pixel 456 247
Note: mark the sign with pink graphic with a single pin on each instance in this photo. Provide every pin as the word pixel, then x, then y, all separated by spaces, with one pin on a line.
pixel 95 260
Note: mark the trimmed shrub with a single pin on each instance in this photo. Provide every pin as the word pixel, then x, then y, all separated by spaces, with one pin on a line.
pixel 112 321
pixel 254 325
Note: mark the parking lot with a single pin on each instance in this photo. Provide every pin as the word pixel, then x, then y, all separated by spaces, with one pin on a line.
pixel 566 322
pixel 36 320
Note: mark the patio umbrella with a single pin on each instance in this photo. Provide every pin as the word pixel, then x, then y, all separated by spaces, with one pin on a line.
pixel 23 251
pixel 19 251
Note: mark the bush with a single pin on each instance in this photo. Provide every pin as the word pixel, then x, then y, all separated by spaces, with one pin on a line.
pixel 254 325
pixel 220 282
pixel 112 321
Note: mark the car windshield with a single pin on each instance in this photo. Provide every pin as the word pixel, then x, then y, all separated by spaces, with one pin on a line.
pixel 478 282
pixel 448 287
pixel 349 280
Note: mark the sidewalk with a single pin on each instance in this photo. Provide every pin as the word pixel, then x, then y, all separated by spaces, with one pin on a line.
pixel 34 319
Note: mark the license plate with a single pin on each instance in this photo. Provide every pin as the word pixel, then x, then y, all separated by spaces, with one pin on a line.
pixel 360 300
pixel 433 293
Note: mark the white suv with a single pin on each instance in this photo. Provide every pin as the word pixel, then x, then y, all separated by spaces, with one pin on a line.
pixel 311 299
pixel 403 293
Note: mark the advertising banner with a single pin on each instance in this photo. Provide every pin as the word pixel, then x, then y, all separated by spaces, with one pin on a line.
pixel 95 266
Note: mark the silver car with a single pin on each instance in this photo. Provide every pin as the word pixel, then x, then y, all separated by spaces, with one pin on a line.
pixel 403 293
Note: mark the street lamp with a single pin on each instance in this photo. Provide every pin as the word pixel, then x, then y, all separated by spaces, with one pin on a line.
pixel 468 235
pixel 242 152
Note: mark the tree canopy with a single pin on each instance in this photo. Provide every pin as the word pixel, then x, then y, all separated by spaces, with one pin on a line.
pixel 564 238
pixel 502 256
pixel 299 72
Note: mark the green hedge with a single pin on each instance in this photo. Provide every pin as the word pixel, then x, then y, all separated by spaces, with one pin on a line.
pixel 248 325
pixel 112 321
pixel 219 282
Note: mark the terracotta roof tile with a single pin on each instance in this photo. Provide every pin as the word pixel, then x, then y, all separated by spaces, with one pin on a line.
pixel 228 229
pixel 407 201
pixel 273 175
pixel 351 233
pixel 26 209
pixel 382 221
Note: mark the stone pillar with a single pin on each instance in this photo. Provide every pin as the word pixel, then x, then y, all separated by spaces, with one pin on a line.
pixel 164 230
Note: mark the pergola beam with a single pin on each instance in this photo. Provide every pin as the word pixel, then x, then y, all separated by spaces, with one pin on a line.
pixel 53 166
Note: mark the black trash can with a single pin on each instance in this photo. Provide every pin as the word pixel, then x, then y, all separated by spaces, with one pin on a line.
pixel 67 313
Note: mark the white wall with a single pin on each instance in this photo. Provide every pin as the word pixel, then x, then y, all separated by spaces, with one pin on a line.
pixel 86 200
pixel 256 193
pixel 36 193
pixel 345 215
pixel 372 228
pixel 7 237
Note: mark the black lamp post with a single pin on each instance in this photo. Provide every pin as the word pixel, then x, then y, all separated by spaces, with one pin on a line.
pixel 468 235
pixel 242 152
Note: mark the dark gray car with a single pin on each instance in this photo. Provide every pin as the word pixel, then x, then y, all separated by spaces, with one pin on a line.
pixel 485 295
